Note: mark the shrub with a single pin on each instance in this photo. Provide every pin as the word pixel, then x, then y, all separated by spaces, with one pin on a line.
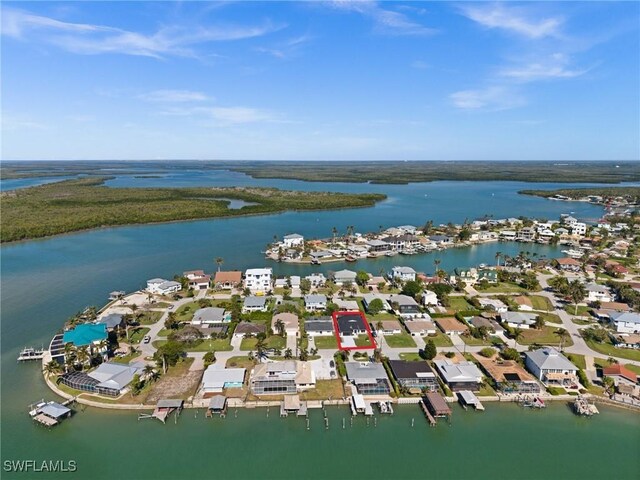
pixel 209 358
pixel 487 352
pixel 510 354
pixel 430 350
pixel 450 354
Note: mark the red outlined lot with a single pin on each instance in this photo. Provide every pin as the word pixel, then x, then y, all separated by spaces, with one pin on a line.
pixel 336 330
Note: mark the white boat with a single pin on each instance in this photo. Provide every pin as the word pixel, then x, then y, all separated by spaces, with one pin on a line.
pixel 390 254
pixel 573 253
pixel 30 354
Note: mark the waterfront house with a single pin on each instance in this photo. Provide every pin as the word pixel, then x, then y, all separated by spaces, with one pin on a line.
pixel 390 327
pixel 248 329
pixel 108 379
pixel 400 242
pixel 368 378
pixel 429 298
pixel 316 279
pixel 227 280
pixel 551 367
pixel 568 264
pixel 370 297
pixel 112 321
pixel 319 326
pixel 579 228
pixel 450 326
pixel 344 276
pixel 277 378
pixel 625 322
pixel 293 240
pixel 290 321
pixel 85 334
pixel 526 234
pixel 598 293
pixel 404 274
pixel 620 374
pixel 519 319
pixel 507 235
pixel 420 328
pixel 414 375
pixel 160 286
pixel 254 304
pixel 492 304
pixel 508 375
pixel 315 302
pixel 216 378
pixel 378 246
pixel 441 240
pixel 404 305
pixel 258 280
pixel 197 279
pixel 210 316
pixel 459 376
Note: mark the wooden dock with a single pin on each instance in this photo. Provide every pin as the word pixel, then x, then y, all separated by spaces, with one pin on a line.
pixel 427 413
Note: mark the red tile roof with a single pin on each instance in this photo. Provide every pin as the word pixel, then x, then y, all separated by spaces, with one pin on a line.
pixel 621 371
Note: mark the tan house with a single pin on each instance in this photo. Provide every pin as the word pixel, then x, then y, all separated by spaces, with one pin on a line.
pixel 290 321
pixel 450 325
pixel 227 280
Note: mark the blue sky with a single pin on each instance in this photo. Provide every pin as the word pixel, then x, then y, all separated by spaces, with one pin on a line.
pixel 321 80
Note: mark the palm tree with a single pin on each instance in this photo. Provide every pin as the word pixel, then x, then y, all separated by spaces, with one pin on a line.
pixel 279 327
pixel 219 261
pixel 82 355
pixel 334 232
pixel 564 335
pixel 498 257
pixel 147 371
pixel 517 335
pixel 52 368
pixel 288 353
pixel 577 292
pixel 436 264
pixel 260 347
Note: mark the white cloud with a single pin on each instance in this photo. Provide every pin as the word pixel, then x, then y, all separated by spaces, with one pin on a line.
pixel 91 39
pixel 539 71
pixel 174 96
pixel 492 98
pixel 513 19
pixel 385 21
pixel 225 116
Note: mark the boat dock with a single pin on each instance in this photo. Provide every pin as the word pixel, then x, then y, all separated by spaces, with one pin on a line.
pixel 581 406
pixel 425 410
pixel 31 353
pixel 435 406
pixel 467 397
pixel 50 414
pixel 532 402
pixel 385 407
pixel 163 409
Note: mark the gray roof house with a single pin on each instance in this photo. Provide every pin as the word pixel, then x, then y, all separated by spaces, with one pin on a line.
pixel 459 376
pixel 626 322
pixel 114 376
pixel 113 320
pixel 407 306
pixel 370 297
pixel 314 302
pixel 368 378
pixel 342 276
pixel 211 316
pixel 518 319
pixel 254 304
pixel 551 367
pixel 319 326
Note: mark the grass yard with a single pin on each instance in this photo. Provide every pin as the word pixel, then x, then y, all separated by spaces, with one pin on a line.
pixel 504 287
pixel 126 359
pixel 381 317
pixel 186 311
pixel 363 341
pixel 583 310
pixel 440 340
pixel 149 317
pixel 325 389
pixel 550 318
pixel 556 391
pixel 540 303
pixel 411 357
pixel 577 321
pixel 486 391
pixel 240 362
pixel 217 345
pixel 326 342
pixel 608 349
pixel 459 304
pixel 136 335
pixel 401 340
pixel 544 336
pixel 577 360
pixel 274 341
pixel 473 341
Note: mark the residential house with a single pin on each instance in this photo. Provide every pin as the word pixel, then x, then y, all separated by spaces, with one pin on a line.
pixel 400 242
pixel 160 286
pixel 519 319
pixel 404 305
pixel 626 322
pixel 508 235
pixel 344 276
pixel 293 240
pixel 526 234
pixel 626 340
pixel 404 274
pixel 254 304
pixel 441 240
pixel 315 302
pixel 290 321
pixel 551 367
pixel 368 378
pixel 378 246
pixel 351 324
pixel 414 375
pixel 459 376
pixel 524 303
pixel 112 321
pixel 620 374
pixel 492 304
pixel 210 316
pixel 258 280
pixel 197 279
pixel 109 379
pixel 316 279
pixel 248 329
pixel 420 328
pixel 347 305
pixel 508 375
pixel 598 293
pixel 478 322
pixel 320 326
pixel 217 378
pixel 277 378
pixel 451 325
pixel 389 327
pixel 569 264
pixel 370 297
pixel 227 280
pixel 429 298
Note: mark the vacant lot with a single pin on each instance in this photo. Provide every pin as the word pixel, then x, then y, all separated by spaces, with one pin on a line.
pixel 401 340
pixel 327 342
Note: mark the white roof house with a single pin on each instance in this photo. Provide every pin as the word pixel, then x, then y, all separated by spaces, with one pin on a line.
pixel 293 240
pixel 114 376
pixel 370 297
pixel 626 322
pixel 493 304
pixel 403 273
pixel 429 298
pixel 460 374
pixel 210 315
pixel 343 276
pixel 258 280
pixel 160 286
pixel 254 304
pixel 216 378
pixel 315 302
pixel 550 366
pixel 598 293
pixel 518 319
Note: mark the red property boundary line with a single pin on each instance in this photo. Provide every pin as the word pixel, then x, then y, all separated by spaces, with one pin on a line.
pixel 336 330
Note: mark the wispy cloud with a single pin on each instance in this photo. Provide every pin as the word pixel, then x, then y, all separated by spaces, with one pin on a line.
pixel 493 98
pixel 287 49
pixel 9 122
pixel 513 19
pixel 225 116
pixel 385 21
pixel 553 68
pixel 174 96
pixel 90 39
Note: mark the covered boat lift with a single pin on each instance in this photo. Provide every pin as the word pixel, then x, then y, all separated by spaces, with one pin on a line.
pixel 466 397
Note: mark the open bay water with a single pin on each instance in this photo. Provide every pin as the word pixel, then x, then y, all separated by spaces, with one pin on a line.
pixel 45 281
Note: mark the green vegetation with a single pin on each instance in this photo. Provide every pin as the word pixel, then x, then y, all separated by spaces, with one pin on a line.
pixel 327 342
pixel 540 303
pixel 473 341
pixel 503 287
pixel 363 340
pixel 274 341
pixel 439 339
pixel 487 352
pixel 486 391
pixel 148 317
pixel 577 360
pixel 217 345
pixel 411 357
pixel 401 340
pixel 631 193
pixel 185 312
pixel 325 389
pixel 136 335
pixel 240 362
pixel 85 203
pixel 459 304
pixel 545 336
pixel 550 318
pixel 556 391
pixel 583 310
pixel 607 348
pixel 578 321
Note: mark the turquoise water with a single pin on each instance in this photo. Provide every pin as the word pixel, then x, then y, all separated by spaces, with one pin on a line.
pixel 45 281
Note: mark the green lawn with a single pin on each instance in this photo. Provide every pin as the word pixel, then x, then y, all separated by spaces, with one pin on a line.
pixel 218 345
pixel 126 359
pixel 583 310
pixel 364 341
pixel 486 391
pixel 556 390
pixel 186 311
pixel 240 362
pixel 381 316
pixel 504 287
pixel 149 317
pixel 544 336
pixel 135 335
pixel 577 321
pixel 550 318
pixel 411 357
pixel 473 341
pixel 440 339
pixel 401 340
pixel 274 341
pixel 459 304
pixel 540 303
pixel 577 360
pixel 608 349
pixel 327 342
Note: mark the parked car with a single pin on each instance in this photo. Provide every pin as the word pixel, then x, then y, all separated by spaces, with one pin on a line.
pixel 146 339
